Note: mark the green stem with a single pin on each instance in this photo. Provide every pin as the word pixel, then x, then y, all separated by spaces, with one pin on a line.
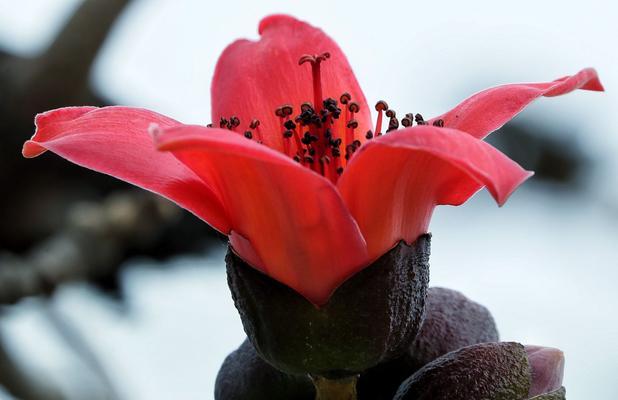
pixel 335 389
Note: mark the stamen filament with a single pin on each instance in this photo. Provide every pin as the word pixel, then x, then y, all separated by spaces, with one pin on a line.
pixel 381 106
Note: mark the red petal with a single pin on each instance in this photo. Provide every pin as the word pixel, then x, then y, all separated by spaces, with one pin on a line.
pixel 547 367
pixel 393 183
pixel 287 221
pixel 486 111
pixel 253 78
pixel 115 141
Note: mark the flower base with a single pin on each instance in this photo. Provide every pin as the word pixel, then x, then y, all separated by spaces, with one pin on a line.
pixel 370 318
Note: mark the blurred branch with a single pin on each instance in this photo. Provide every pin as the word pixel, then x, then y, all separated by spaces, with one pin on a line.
pixel 91 245
pixel 59 77
pixel 24 385
pixel 78 344
pixel 62 73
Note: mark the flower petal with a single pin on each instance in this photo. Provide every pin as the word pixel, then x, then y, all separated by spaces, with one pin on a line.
pixel 416 169
pixel 486 111
pixel 287 221
pixel 253 78
pixel 547 366
pixel 115 141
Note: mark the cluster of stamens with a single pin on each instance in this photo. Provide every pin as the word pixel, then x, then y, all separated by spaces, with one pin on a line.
pixel 324 139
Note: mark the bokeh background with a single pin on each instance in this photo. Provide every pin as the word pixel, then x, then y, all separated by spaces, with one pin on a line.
pixel 97 306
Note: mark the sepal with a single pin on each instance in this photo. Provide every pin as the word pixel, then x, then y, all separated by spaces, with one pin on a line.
pixel 372 317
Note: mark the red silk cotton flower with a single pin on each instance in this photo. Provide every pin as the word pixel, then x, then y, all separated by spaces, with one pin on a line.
pixel 308 190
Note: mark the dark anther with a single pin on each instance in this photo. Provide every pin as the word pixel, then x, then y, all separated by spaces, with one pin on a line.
pixel 254 123
pixel 353 107
pixel 309 159
pixel 312 152
pixel 335 152
pixel 297 158
pixel 234 122
pixel 393 124
pixel 209 126
pixel 439 123
pixel 391 113
pixel 289 124
pixel 329 102
pixel 381 105
pixel 419 119
pixel 248 135
pixel 314 138
pixel 352 124
pixel 407 121
pixel 356 144
pixel 325 160
pixel 369 135
pixel 339 170
pixel 223 123
pixel 306 106
pixel 328 134
pixel 345 98
pixel 336 142
pixel 279 112
pixel 287 134
pixel 330 106
pixel 287 110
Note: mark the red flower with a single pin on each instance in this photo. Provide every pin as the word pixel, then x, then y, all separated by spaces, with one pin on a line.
pixel 309 193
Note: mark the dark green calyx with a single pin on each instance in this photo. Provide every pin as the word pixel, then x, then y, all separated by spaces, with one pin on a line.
pixel 370 318
pixel 452 321
pixel 245 376
pixel 496 371
pixel 559 394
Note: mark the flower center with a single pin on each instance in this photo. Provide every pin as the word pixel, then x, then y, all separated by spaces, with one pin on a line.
pixel 323 135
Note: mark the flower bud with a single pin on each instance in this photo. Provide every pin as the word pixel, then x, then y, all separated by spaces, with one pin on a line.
pixel 483 371
pixel 452 321
pixel 245 376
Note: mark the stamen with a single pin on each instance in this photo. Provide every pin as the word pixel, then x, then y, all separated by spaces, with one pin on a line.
pixel 287 110
pixel 419 119
pixel 381 106
pixel 315 138
pixel 351 125
pixel 255 125
pixel 393 123
pixel 408 120
pixel 233 123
